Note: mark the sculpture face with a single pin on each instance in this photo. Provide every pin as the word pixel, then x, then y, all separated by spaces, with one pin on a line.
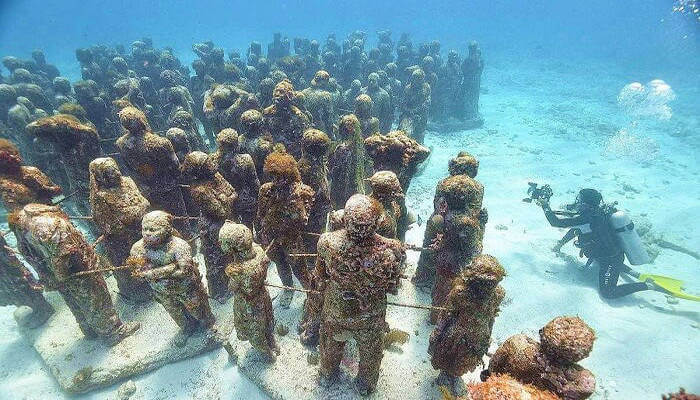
pixel 156 228
pixel 361 217
pixel 107 173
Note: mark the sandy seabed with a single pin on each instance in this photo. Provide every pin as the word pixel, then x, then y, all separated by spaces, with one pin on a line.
pixel 550 122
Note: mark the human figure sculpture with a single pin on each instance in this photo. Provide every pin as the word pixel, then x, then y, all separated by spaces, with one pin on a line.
pixel 256 140
pixel 416 102
pixel 356 269
pixel 369 124
pixel 117 209
pixel 239 170
pixel 350 94
pixel 77 145
pixel 381 107
pixel 21 185
pixel 285 121
pixel 18 287
pixel 346 165
pixel 464 164
pixel 247 269
pixel 397 152
pixel 152 163
pixel 550 364
pixel 386 189
pixel 313 167
pixel 472 67
pixel 463 332
pixel 57 251
pixel 284 204
pixel 215 199
pixel 166 263
pixel 318 100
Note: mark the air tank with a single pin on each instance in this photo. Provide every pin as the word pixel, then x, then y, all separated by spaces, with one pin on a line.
pixel 628 239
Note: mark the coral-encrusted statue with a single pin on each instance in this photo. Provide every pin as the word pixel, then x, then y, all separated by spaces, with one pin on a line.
pixel 552 363
pixel 21 185
pixel 77 144
pixel 319 101
pixel 117 209
pixel 504 387
pixel 346 166
pixel 247 270
pixel 356 269
pixel 313 167
pixel 239 170
pixel 472 67
pixel 369 124
pixel 386 189
pixel 283 211
pixel 416 103
pixel 284 120
pixel 257 141
pixel 166 263
pixel 463 164
pixel 381 102
pixel 56 250
pixel 151 161
pixel 18 287
pixel 462 335
pixel 215 199
pixel 398 153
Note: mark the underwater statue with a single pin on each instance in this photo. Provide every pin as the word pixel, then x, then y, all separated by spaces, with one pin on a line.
pixel 166 263
pixel 285 121
pixel 21 185
pixel 284 205
pixel 413 117
pixel 381 103
pixel 472 67
pixel 238 169
pixel 347 164
pixel 386 189
pixel 117 209
pixel 369 124
pixel 247 270
pixel 152 163
pixel 463 164
pixel 463 332
pixel 57 251
pixel 77 144
pixel 350 94
pixel 313 168
pixel 257 142
pixel 356 270
pixel 215 199
pixel 318 100
pixel 550 364
pixel 18 287
pixel 396 152
pixel 225 103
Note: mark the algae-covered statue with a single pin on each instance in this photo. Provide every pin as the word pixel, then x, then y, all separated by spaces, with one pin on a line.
pixel 386 189
pixel 238 169
pixel 117 209
pixel 397 152
pixel 215 199
pixel 247 270
pixel 166 263
pixel 283 211
pixel 381 102
pixel 356 269
pixel 18 287
pixel 21 185
pixel 285 121
pixel 57 251
pixel 346 165
pixel 463 332
pixel 152 163
pixel 369 124
pixel 318 99
pixel 416 104
pixel 463 164
pixel 313 168
pixel 256 140
pixel 550 364
pixel 472 67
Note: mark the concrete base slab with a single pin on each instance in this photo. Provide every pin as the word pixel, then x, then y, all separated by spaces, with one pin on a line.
pixel 80 365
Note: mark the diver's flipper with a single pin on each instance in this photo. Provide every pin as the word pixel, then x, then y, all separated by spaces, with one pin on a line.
pixel 673 286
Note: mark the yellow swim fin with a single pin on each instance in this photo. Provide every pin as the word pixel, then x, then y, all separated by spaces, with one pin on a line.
pixel 673 286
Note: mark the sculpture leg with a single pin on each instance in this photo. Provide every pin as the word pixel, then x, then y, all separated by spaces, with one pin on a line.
pixel 370 343
pixel 331 353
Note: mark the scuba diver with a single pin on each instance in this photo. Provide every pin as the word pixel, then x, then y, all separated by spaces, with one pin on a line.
pixel 605 236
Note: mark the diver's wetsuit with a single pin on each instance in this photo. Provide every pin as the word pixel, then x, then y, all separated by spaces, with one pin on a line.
pixel 599 246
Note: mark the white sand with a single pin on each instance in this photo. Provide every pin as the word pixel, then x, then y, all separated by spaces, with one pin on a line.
pixel 547 122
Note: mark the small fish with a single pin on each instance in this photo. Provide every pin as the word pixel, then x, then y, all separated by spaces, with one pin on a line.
pixel 419 220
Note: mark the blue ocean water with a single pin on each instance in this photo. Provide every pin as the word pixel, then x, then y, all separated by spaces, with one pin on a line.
pixel 554 72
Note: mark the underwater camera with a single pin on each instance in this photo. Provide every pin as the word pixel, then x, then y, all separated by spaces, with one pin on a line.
pixel 537 192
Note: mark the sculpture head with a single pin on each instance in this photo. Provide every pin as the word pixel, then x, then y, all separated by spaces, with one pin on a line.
pixel 464 164
pixel 228 140
pixel 251 123
pixel 283 95
pixel 156 228
pixel 321 79
pixel 361 217
pixel 198 165
pixel 134 120
pixel 105 173
pixel 386 185
pixel 373 80
pixel 315 143
pixel 236 239
pixel 282 168
pixel 363 106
